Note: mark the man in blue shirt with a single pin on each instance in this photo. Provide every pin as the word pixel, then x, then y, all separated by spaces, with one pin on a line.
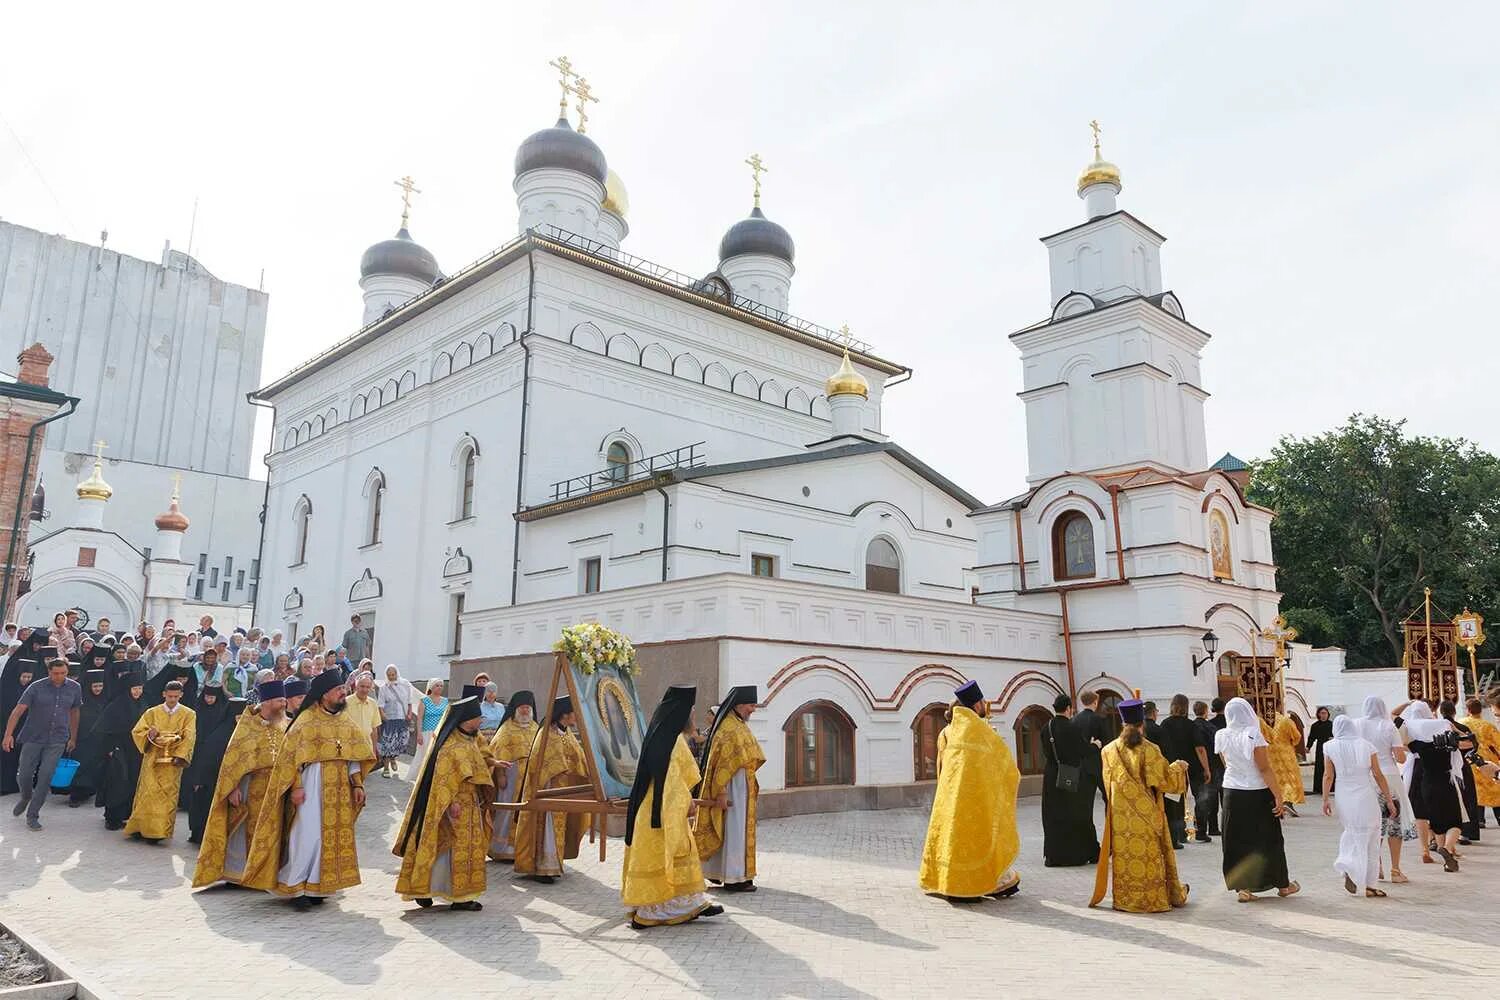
pixel 51 708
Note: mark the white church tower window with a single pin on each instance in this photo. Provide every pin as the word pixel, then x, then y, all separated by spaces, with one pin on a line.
pixel 375 496
pixel 882 567
pixel 302 523
pixel 1073 547
pixel 617 462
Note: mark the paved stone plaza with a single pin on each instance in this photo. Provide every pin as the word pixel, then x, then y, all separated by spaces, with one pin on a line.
pixel 838 915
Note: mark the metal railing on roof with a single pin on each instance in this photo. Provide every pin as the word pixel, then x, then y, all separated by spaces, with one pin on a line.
pixel 687 457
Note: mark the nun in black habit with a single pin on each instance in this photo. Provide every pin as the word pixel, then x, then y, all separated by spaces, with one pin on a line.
pixel 122 761
pixel 202 775
pixel 88 753
pixel 209 708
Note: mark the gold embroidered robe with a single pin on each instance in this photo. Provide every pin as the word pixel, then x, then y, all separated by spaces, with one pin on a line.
pixel 512 743
pixel 1137 844
pixel 1283 740
pixel 971 836
pixel 662 864
pixel 336 742
pixel 460 775
pixel 252 751
pixel 734 749
pixel 562 766
pixel 154 812
pixel 1486 789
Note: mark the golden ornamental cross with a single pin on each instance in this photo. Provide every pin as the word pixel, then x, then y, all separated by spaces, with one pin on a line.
pixel 585 97
pixel 564 67
pixel 757 167
pixel 99 447
pixel 176 486
pixel 846 336
pixel 408 188
pixel 1094 127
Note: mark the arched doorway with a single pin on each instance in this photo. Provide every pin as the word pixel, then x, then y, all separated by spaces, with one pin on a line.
pixel 1029 727
pixel 819 746
pixel 924 736
pixel 1109 712
pixel 1229 679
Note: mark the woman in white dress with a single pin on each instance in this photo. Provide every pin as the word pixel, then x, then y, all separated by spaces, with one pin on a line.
pixel 1353 762
pixel 1399 825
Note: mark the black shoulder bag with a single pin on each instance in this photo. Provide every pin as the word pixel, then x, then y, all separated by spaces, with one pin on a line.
pixel 1068 775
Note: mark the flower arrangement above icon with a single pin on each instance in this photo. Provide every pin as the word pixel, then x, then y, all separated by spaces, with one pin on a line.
pixel 589 644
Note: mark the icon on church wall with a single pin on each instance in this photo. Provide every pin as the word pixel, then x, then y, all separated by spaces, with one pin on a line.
pixel 1218 545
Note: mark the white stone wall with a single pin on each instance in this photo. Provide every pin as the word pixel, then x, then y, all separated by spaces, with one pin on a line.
pixel 1108 258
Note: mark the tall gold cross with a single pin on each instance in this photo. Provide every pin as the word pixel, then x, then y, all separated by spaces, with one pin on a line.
pixel 1094 125
pixel 564 66
pixel 846 336
pixel 176 486
pixel 408 188
pixel 757 167
pixel 99 447
pixel 585 97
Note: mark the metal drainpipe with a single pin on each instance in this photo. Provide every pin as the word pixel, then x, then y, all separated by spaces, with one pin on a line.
pixel 265 513
pixel 515 566
pixel 666 509
pixel 23 498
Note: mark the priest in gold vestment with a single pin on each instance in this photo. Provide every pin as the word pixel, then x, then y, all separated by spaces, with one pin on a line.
pixel 304 848
pixel 1137 843
pixel 545 839
pixel 725 831
pixel 1284 739
pixel 446 828
pixel 1487 745
pixel 165 735
pixel 239 796
pixel 662 882
pixel 971 836
pixel 511 745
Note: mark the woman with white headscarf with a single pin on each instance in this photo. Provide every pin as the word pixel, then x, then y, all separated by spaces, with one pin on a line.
pixel 1398 824
pixel 1433 787
pixel 1353 762
pixel 1254 852
pixel 395 698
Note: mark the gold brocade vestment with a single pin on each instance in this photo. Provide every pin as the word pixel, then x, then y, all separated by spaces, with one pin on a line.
pixel 971 836
pixel 1487 738
pixel 661 864
pixel 734 749
pixel 315 737
pixel 460 775
pixel 511 743
pixel 562 766
pixel 153 814
pixel 1282 741
pixel 1137 844
pixel 252 751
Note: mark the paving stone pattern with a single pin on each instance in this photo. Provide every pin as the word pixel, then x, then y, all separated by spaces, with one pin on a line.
pixel 838 914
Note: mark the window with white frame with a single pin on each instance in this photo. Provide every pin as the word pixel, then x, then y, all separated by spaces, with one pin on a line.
pixel 590 575
pixel 301 526
pixel 762 565
pixel 375 500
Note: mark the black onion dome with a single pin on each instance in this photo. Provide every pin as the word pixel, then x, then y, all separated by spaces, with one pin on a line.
pixel 757 234
pixel 400 255
pixel 561 147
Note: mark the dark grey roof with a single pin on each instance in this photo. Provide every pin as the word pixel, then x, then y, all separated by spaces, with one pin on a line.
pixel 1229 464
pixel 757 234
pixel 39 393
pixel 563 148
pixel 400 255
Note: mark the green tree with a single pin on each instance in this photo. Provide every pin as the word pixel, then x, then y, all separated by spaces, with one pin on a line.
pixel 1368 516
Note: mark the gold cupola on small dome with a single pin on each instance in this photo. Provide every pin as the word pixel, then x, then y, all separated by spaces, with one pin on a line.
pixel 1100 171
pixel 616 198
pixel 846 381
pixel 94 487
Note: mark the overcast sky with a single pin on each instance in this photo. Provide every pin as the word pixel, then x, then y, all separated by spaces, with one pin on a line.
pixel 1326 179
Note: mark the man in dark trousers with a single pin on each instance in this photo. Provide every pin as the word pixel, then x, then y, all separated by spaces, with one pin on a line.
pixel 1214 791
pixel 1091 731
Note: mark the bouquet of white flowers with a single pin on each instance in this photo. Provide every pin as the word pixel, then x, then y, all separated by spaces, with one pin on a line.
pixel 589 644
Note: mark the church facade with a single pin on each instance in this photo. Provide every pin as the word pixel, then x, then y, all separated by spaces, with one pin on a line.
pixel 562 432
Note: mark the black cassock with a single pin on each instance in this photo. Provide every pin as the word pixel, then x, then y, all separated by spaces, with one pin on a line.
pixel 1068 834
pixel 1318 733
pixel 122 761
pixel 203 772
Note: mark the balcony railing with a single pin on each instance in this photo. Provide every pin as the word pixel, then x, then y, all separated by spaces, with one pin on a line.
pixel 687 457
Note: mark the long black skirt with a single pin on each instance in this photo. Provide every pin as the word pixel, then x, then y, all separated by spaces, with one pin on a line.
pixel 1254 853
pixel 1068 834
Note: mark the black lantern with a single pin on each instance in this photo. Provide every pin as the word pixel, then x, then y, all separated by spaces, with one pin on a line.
pixel 1210 646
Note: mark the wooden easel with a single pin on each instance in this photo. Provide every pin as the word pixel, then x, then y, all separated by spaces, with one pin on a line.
pixel 588 798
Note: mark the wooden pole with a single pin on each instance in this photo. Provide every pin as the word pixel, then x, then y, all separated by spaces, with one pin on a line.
pixel 1427 667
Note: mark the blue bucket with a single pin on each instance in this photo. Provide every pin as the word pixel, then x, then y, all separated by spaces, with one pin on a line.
pixel 67 767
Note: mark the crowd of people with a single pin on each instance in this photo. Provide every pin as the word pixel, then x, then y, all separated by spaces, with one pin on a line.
pixel 267 750
pixel 1399 776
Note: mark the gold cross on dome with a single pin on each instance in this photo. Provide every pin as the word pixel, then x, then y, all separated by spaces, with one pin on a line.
pixel 564 67
pixel 99 447
pixel 585 97
pixel 176 486
pixel 845 336
pixel 408 188
pixel 757 167
pixel 1094 127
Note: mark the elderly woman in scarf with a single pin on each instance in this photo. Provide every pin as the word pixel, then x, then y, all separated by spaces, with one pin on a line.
pixel 1398 824
pixel 1352 761
pixel 1254 851
pixel 395 697
pixel 1433 782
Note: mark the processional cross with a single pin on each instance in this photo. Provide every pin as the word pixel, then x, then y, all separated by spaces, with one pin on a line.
pixel 757 167
pixel 408 188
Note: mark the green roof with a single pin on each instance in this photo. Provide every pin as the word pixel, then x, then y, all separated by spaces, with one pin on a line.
pixel 1230 464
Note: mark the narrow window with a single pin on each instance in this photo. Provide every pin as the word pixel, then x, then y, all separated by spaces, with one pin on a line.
pixel 882 567
pixel 1073 547
pixel 466 491
pixel 762 565
pixel 617 462
pixel 239 580
pixel 458 611
pixel 591 570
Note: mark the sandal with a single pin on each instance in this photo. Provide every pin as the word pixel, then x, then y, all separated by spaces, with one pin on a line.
pixel 1398 877
pixel 1349 886
pixel 1245 896
pixel 1374 894
pixel 1450 863
pixel 1427 859
pixel 1290 890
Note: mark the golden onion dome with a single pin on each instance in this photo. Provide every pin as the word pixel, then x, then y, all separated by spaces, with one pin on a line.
pixel 846 381
pixel 616 198
pixel 94 487
pixel 1101 171
pixel 173 520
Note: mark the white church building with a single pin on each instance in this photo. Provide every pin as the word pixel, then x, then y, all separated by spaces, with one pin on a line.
pixel 561 431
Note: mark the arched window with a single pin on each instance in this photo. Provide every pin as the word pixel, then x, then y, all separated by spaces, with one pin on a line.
pixel 819 746
pixel 882 567
pixel 1072 547
pixel 1029 728
pixel 466 483
pixel 924 736
pixel 301 525
pixel 375 495
pixel 617 462
pixel 1108 711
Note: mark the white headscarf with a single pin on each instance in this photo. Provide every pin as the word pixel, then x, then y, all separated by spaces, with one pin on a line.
pixel 1239 715
pixel 1345 729
pixel 1420 724
pixel 1241 733
pixel 1375 726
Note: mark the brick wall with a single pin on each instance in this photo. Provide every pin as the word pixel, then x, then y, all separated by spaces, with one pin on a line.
pixel 18 415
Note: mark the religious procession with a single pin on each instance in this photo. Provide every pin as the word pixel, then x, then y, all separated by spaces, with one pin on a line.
pixel 268 752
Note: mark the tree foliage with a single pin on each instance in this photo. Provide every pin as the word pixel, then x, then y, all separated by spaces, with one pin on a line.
pixel 1366 518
